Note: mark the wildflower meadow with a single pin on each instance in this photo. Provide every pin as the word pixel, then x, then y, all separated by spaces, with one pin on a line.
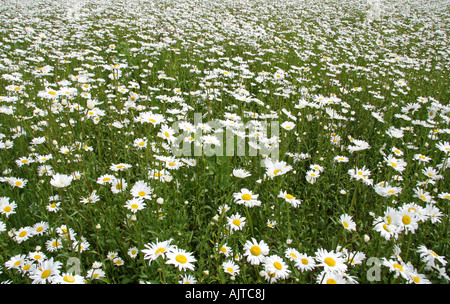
pixel 224 142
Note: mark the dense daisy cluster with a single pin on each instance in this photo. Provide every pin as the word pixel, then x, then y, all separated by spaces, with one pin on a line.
pixel 163 141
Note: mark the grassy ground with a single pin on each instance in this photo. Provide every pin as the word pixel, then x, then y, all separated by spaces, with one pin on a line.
pixel 360 194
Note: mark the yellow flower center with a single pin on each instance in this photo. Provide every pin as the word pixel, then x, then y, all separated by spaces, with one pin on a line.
pixel 181 259
pixel 255 250
pixel 276 172
pixel 331 281
pixel 416 279
pixel 388 218
pixel 345 224
pixel 406 220
pixel 397 266
pixel 7 209
pixel 167 134
pixel 45 274
pixel 289 196
pixel 330 262
pixel 134 206
pixel 237 222
pixel 69 279
pixel 305 261
pixel 160 250
pixel 230 270
pixel 17 263
pixel 23 233
pixel 141 193
pixel 246 197
pixel 277 265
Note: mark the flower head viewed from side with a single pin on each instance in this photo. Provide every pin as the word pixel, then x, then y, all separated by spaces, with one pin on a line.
pixel 61 180
pixel 157 249
pixel 241 173
pixel 348 223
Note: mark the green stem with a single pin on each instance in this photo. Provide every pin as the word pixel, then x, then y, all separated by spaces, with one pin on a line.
pixel 250 222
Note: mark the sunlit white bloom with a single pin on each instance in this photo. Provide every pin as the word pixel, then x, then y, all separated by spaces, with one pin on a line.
pixel 181 259
pixel 118 185
pixel 330 260
pixel 247 198
pixel 255 251
pixel 157 249
pixel 397 163
pixel 47 272
pixel 289 198
pixel 119 167
pixel 135 204
pixel 230 267
pixel 236 222
pixel 61 180
pixel 275 268
pixel 430 257
pixel 276 168
pixel 347 221
pixel 141 189
pixel 361 174
pixel 241 173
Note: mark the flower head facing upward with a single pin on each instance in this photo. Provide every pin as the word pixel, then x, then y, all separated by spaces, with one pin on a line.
pixel 255 251
pixel 330 260
pixel 275 268
pixel 181 259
